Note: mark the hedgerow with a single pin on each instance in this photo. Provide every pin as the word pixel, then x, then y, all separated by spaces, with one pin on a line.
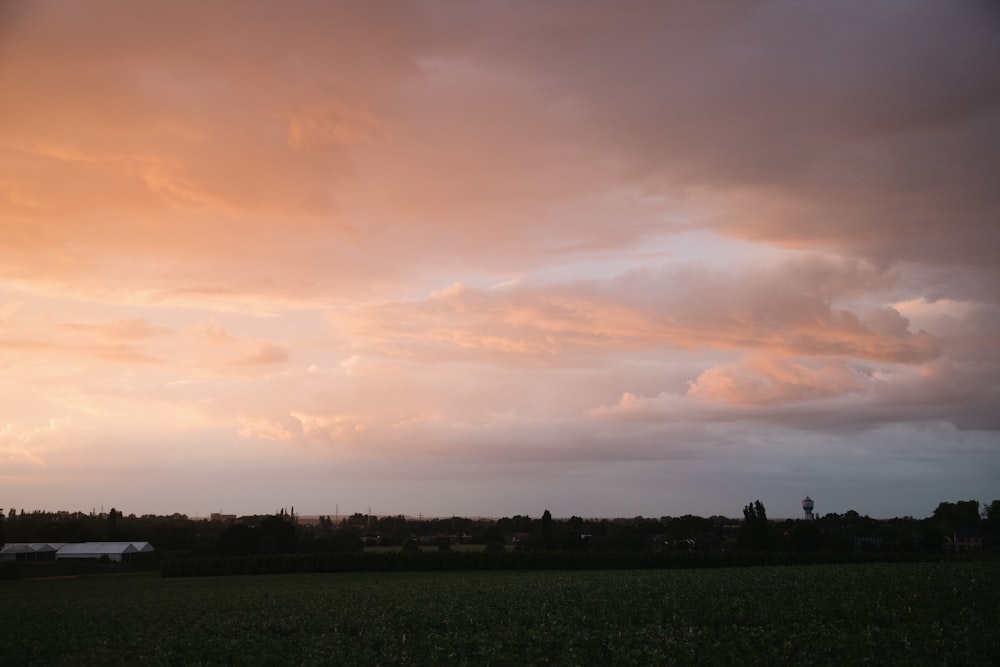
pixel 404 560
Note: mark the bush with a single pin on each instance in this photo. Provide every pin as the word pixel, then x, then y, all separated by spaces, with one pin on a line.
pixel 8 570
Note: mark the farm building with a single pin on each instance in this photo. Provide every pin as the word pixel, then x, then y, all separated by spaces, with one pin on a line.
pixel 30 551
pixel 142 547
pixel 113 551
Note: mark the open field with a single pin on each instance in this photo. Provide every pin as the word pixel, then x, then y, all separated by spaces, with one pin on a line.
pixel 915 613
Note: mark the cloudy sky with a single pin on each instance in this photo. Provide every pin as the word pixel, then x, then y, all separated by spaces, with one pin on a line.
pixel 485 258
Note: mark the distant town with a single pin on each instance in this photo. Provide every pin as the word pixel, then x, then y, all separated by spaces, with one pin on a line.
pixel 962 526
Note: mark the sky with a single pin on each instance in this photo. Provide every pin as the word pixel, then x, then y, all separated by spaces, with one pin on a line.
pixel 492 258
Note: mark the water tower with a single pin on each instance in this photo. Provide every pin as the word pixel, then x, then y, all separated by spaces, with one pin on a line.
pixel 807 507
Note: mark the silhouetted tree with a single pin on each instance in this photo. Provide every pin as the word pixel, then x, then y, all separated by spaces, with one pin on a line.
pixel 754 533
pixel 346 539
pixel 622 538
pixel 277 533
pixel 239 539
pixel 112 528
pixel 991 514
pixel 963 514
pixel 547 530
pixel 806 536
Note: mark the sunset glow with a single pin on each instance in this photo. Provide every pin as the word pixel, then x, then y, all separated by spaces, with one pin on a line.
pixel 495 258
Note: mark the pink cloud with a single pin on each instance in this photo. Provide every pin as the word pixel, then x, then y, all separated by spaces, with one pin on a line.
pixel 784 309
pixel 765 380
pixel 260 353
pixel 265 429
pixel 130 329
pixel 225 236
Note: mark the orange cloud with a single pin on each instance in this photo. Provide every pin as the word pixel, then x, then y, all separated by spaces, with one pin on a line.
pixel 559 324
pixel 764 380
pixel 130 329
pixel 260 354
pixel 333 123
pixel 265 429
pixel 225 233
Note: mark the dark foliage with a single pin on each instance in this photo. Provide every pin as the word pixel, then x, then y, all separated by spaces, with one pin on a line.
pixel 285 542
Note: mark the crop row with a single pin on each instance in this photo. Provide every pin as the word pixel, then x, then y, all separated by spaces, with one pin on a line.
pixel 384 561
pixel 910 613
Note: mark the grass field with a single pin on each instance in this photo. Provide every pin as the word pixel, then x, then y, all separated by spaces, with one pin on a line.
pixel 920 613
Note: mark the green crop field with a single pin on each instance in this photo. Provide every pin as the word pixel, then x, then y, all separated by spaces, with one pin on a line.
pixel 914 613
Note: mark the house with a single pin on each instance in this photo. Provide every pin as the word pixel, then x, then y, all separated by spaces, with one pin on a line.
pixel 967 539
pixel 867 542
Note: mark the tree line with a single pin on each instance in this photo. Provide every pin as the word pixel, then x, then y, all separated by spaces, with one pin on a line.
pixel 286 532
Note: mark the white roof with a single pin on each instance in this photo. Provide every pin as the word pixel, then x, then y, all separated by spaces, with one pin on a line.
pixel 17 548
pixel 76 549
pixel 29 547
pixel 99 548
